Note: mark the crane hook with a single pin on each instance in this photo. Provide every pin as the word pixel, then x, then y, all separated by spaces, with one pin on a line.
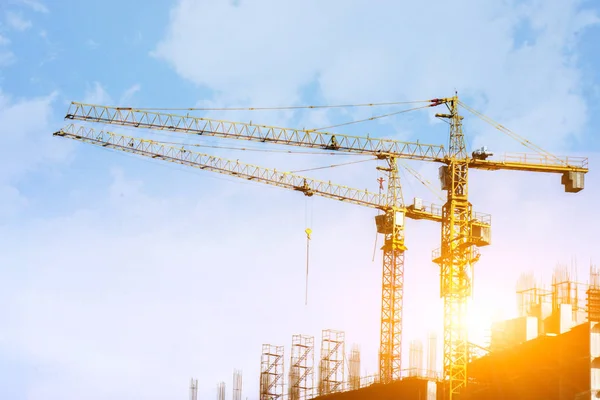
pixel 308 232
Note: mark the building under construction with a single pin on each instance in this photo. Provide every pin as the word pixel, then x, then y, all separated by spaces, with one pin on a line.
pixel 550 351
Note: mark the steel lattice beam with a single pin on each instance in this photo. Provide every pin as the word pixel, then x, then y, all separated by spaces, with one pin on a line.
pixel 127 116
pixel 184 156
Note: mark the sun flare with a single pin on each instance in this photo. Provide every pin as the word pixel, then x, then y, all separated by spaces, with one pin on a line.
pixel 480 317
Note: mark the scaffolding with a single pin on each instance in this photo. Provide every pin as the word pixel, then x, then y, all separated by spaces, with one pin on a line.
pixel 531 297
pixel 237 385
pixel 271 372
pixel 537 301
pixel 331 366
pixel 593 296
pixel 221 391
pixel 301 376
pixel 534 300
pixel 354 368
pixel 566 290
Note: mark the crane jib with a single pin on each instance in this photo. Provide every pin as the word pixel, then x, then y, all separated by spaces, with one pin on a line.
pixel 308 186
pixel 260 133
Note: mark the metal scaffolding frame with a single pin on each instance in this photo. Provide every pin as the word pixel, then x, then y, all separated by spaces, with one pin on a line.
pixel 271 372
pixel 301 376
pixel 593 296
pixel 331 365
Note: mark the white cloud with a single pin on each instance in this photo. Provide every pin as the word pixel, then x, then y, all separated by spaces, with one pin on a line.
pixel 36 6
pixel 128 94
pixel 17 22
pixel 4 41
pixel 96 94
pixel 24 122
pixel 27 133
pixel 363 52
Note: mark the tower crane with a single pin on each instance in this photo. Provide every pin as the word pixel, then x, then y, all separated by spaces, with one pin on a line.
pixel 462 229
pixel 456 256
pixel 390 223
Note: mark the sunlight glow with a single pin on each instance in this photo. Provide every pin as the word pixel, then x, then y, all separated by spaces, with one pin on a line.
pixel 481 315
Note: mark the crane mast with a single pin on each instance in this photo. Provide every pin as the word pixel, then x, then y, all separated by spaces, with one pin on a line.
pixel 462 230
pixel 456 258
pixel 392 288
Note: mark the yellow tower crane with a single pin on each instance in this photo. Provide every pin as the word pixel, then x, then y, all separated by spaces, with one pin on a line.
pixel 390 223
pixel 462 230
pixel 457 256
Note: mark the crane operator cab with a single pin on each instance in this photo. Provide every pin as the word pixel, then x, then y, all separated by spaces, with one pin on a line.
pixel 481 154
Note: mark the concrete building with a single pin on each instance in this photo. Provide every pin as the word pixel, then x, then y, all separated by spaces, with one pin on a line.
pixel 553 357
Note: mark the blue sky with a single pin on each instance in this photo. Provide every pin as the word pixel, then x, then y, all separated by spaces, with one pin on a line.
pixel 123 277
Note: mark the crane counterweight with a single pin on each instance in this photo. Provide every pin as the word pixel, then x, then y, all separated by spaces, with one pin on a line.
pixel 573 181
